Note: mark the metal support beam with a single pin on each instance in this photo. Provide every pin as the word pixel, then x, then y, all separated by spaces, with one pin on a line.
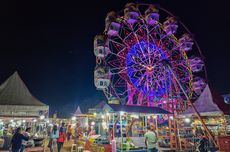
pixel 194 108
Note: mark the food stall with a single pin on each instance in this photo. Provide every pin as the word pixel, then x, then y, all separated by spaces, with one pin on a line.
pixel 120 126
pixel 128 125
pixel 215 114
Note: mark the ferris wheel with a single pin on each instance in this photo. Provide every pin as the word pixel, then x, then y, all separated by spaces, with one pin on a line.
pixel 144 58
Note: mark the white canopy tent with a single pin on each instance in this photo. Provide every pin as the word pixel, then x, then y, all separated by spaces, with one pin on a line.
pixel 207 105
pixel 17 101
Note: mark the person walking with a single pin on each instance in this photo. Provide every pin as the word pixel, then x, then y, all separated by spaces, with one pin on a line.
pixel 69 132
pixel 24 142
pixel 151 140
pixel 61 139
pixel 53 138
pixel 16 141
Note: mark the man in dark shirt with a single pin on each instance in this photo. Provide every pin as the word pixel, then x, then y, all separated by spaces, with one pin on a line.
pixel 17 140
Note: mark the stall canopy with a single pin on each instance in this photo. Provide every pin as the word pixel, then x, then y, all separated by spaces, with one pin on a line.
pixel 138 109
pixel 78 111
pixel 210 103
pixel 104 107
pixel 17 101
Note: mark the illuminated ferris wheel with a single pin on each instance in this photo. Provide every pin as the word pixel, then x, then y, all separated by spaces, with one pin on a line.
pixel 143 59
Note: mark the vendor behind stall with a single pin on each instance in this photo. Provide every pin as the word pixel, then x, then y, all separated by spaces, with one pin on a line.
pixel 24 142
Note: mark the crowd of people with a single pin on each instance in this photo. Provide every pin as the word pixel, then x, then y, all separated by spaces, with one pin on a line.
pixel 18 139
pixel 57 138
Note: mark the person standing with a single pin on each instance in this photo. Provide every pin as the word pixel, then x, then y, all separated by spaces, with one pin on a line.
pixel 53 138
pixel 24 142
pixel 64 127
pixel 151 140
pixel 61 139
pixel 69 132
pixel 7 139
pixel 17 140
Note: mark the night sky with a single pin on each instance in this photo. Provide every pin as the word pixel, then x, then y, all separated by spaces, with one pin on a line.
pixel 50 44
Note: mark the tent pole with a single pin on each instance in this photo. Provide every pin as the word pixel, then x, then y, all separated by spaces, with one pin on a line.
pixel 121 132
pixel 194 108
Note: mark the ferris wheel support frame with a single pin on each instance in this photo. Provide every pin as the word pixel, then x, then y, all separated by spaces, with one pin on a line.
pixel 194 108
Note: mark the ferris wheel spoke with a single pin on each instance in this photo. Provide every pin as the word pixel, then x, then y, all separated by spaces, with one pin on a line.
pixel 140 61
pixel 113 41
pixel 148 37
pixel 154 27
pixel 123 40
pixel 148 41
pixel 117 54
pixel 115 92
pixel 118 68
pixel 122 69
pixel 136 37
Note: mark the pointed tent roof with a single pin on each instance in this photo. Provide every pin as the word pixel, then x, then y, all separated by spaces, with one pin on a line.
pixel 102 107
pixel 14 92
pixel 78 111
pixel 209 103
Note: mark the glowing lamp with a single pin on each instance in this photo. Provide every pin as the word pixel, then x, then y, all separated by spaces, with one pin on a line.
pixel 74 118
pixel 42 117
pixel 92 123
pixel 187 120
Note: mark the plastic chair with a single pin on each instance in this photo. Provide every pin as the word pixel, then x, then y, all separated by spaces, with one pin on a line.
pixel 80 149
pixel 74 148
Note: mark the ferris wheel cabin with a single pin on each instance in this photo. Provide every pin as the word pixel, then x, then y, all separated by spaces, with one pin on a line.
pixel 170 25
pixel 111 25
pixel 186 42
pixel 131 13
pixel 198 85
pixel 101 77
pixel 152 15
pixel 196 64
pixel 101 48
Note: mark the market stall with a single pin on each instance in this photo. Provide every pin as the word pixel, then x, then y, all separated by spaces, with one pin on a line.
pixel 19 108
pixel 121 126
pixel 214 113
pixel 128 125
